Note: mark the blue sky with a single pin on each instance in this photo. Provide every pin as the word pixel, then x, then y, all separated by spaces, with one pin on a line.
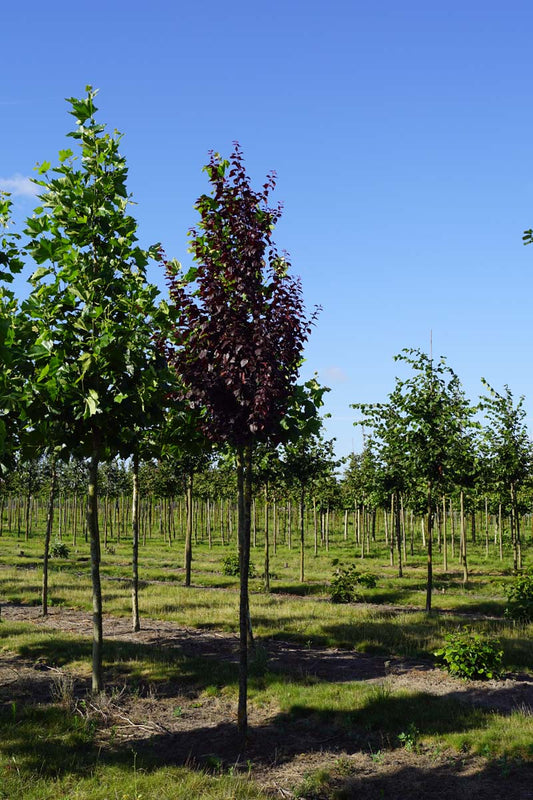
pixel 401 134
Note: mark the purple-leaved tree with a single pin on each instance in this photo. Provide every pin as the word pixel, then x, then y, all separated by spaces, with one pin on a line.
pixel 236 344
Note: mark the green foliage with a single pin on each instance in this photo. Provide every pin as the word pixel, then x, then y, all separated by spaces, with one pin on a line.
pixel 230 566
pixel 96 376
pixel 409 737
pixel 344 586
pixel 520 599
pixel 468 655
pixel 59 550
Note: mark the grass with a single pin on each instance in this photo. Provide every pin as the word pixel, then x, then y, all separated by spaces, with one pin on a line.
pixel 35 738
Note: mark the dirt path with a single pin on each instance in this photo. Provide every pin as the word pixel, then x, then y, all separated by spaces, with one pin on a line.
pixel 333 665
pixel 180 726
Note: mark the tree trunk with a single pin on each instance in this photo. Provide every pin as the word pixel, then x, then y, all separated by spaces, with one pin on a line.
pixel 244 489
pixel 500 531
pixel 94 534
pixel 267 545
pixel 188 533
pixel 444 539
pixel 515 528
pixel 486 527
pixel 315 526
pixel 398 530
pixel 429 587
pixel 47 537
pixel 302 532
pixel 462 547
pixel 135 548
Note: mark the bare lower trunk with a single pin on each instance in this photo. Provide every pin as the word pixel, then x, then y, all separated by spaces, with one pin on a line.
pixel 244 489
pixel 188 534
pixel 398 530
pixel 94 534
pixel 47 537
pixel 302 532
pixel 444 539
pixel 462 547
pixel 429 587
pixel 267 545
pixel 135 549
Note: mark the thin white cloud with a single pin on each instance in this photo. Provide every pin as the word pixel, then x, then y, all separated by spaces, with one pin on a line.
pixel 19 186
pixel 335 375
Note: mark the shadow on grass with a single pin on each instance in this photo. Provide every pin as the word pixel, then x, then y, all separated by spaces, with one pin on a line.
pixel 50 742
pixel 135 663
pixel 465 777
pixel 300 589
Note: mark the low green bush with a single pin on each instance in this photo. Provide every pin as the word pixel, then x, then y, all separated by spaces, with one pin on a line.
pixel 59 550
pixel 345 585
pixel 469 655
pixel 230 566
pixel 520 599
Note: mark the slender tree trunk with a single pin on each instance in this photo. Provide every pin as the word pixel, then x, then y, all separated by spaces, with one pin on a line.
pixel 500 531
pixel 462 547
pixel 398 530
pixel 244 489
pixel 315 526
pixel 429 587
pixel 444 538
pixel 135 548
pixel 389 538
pixel 515 530
pixel 302 532
pixel 188 533
pixel 48 536
pixel 266 579
pixel 486 527
pixel 75 528
pixel 92 526
pixel 452 528
pixel 275 526
pixel 254 523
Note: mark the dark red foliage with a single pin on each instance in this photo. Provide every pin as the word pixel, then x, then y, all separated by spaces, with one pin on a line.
pixel 241 325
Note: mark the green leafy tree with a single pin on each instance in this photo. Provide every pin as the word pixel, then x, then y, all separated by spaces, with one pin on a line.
pixel 421 434
pixel 508 450
pixel 91 310
pixel 436 417
pixel 13 344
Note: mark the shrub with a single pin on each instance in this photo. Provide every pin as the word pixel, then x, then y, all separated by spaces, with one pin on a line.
pixel 59 550
pixel 468 655
pixel 520 599
pixel 230 566
pixel 344 586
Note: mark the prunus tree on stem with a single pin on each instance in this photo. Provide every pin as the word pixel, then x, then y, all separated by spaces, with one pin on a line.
pixel 236 344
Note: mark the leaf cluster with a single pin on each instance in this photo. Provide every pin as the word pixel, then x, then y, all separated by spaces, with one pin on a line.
pixel 468 655
pixel 238 333
pixel 520 599
pixel 345 585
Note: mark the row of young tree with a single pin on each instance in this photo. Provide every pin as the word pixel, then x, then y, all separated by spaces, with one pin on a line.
pixel 289 483
pixel 428 442
pixel 95 366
